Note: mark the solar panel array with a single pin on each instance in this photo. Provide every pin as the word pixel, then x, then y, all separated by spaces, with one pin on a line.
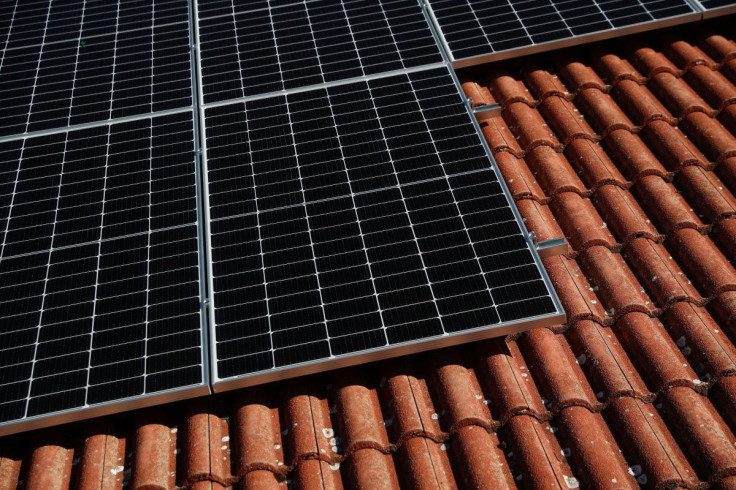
pixel 481 28
pixel 356 217
pixel 99 234
pixel 257 189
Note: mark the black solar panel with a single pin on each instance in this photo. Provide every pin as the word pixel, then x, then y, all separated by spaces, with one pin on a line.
pixel 80 62
pixel 355 217
pixel 249 52
pixel 99 269
pixel 474 28
pixel 718 7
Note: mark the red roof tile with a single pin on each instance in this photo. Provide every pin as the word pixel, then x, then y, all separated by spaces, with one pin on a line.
pixel 627 150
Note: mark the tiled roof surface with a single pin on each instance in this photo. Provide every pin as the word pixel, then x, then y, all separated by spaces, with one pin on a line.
pixel 627 150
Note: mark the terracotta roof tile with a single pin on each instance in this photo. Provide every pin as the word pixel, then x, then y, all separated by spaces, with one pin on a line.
pixel 629 151
pixel 424 464
pixel 605 362
pixel 155 451
pixel 591 448
pixel 556 372
pixel 480 459
pixel 534 450
pixel 508 383
pixel 460 395
pixel 654 454
pixel 103 459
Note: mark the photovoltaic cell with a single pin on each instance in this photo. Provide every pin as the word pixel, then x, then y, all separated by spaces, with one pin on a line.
pixel 357 217
pixel 80 62
pixel 281 47
pixel 474 28
pixel 99 270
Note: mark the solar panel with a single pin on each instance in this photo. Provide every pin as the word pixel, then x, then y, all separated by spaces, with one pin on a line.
pixel 355 219
pixel 99 269
pixel 283 46
pixel 714 8
pixel 476 31
pixel 79 62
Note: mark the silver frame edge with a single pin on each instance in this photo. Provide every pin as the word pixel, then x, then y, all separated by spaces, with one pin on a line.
pixel 387 352
pixel 79 414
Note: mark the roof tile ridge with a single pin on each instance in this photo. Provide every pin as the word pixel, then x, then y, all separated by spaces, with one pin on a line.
pixel 724 156
pixel 595 138
pixel 298 459
pixel 704 229
pixel 359 445
pixel 654 313
pixel 229 481
pixel 566 95
pixel 541 417
pixel 518 99
pixel 617 247
pixel 659 70
pixel 639 79
pixel 541 142
pixel 724 216
pixel 724 105
pixel 564 189
pixel 544 201
pixel 598 138
pixel 698 386
pixel 282 472
pixel 621 184
pixel 671 120
pixel 424 434
pixel 279 472
pixel 693 108
pixel 507 149
pixel 493 426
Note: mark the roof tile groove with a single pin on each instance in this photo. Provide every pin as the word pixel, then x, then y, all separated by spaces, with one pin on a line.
pixel 630 153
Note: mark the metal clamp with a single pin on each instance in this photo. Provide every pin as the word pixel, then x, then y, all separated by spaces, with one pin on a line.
pixel 551 247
